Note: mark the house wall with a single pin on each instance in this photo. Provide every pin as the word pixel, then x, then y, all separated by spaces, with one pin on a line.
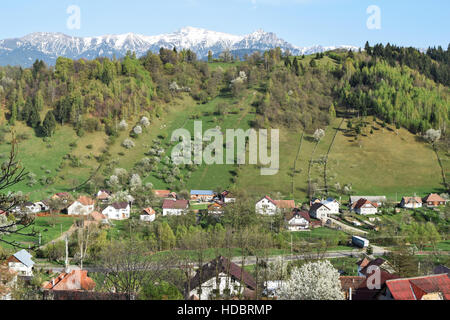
pixel 320 213
pixel 114 214
pixel 21 269
pixel 224 283
pixel 174 212
pixel 411 205
pixel 79 209
pixel 148 218
pixel 366 210
pixel 206 198
pixel 265 207
pixel 298 224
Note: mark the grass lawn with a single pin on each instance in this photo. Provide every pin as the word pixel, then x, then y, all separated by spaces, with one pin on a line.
pixel 43 226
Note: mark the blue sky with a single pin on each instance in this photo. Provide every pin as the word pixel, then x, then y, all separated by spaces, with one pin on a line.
pixel 301 22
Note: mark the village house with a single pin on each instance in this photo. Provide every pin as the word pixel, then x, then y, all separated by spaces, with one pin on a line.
pixel 117 211
pixel 227 197
pixel 365 264
pixel 297 220
pixel 103 195
pixel 175 207
pixel 82 207
pixel 378 200
pixel 216 208
pixel 350 284
pixel 267 206
pixel 77 280
pixel 319 211
pixel 21 263
pixel 148 215
pixel 364 207
pixel 220 277
pixel 44 205
pixel 411 202
pixel 432 287
pixel 165 194
pixel 202 195
pixel 434 200
pixel 331 204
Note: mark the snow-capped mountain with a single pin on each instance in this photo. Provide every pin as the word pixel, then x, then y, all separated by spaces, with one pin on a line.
pixel 49 46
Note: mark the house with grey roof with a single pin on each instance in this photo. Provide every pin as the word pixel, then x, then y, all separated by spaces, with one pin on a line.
pixel 21 263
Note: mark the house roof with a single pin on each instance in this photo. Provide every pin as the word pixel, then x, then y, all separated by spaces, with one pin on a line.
pixel 86 201
pixel 24 257
pixel 441 269
pixel 316 206
pixel 416 288
pixel 363 263
pixel 348 282
pixel 221 265
pixel 175 204
pixel 434 198
pixel 362 202
pixel 149 211
pixel 329 200
pixel 103 194
pixel 119 205
pixel 376 199
pixel 285 204
pixel 61 195
pixel 412 200
pixel 162 193
pixel 97 216
pixel 297 212
pixel 362 292
pixel 202 192
pixel 269 199
pixel 75 280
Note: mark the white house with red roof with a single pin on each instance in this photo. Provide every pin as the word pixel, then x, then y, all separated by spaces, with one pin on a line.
pixel 84 206
pixel 297 220
pixel 434 200
pixel 267 206
pixel 148 215
pixel 364 207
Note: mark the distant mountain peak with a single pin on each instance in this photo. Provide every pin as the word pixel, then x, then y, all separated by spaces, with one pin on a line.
pixel 48 46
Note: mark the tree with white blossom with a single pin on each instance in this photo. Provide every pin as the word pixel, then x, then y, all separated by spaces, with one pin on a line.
pixel 319 134
pixel 313 281
pixel 137 130
pixel 432 135
pixel 145 122
pixel 123 125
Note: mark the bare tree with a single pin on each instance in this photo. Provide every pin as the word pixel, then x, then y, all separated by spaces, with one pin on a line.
pixel 129 265
pixel 12 173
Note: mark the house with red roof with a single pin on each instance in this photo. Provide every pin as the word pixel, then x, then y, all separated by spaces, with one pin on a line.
pixel 77 280
pixel 411 202
pixel 148 215
pixel 297 220
pixel 267 206
pixel 84 206
pixel 175 207
pixel 432 287
pixel 434 200
pixel 165 194
pixel 364 207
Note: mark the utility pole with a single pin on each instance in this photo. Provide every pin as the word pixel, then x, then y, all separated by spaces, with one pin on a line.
pixel 66 262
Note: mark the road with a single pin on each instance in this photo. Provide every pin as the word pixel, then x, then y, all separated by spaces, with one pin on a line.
pixel 346 227
pixel 377 251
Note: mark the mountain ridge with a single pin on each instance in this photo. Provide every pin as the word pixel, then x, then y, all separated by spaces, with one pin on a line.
pixel 48 46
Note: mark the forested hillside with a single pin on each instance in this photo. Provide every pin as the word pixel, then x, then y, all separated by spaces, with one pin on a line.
pixel 98 116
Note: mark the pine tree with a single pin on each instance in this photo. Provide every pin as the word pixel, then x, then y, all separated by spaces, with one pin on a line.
pixel 49 124
pixel 34 120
